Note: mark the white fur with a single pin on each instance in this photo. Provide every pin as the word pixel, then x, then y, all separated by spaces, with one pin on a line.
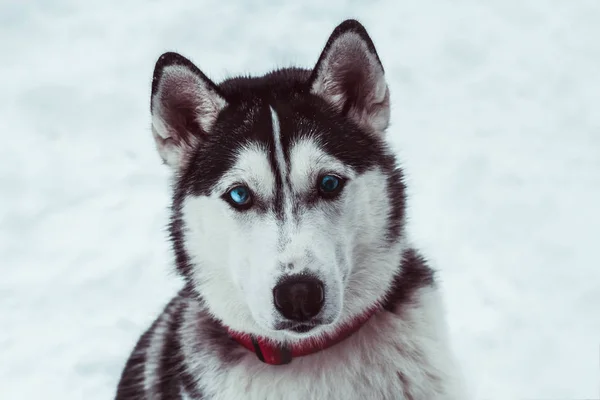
pixel 308 160
pixel 365 366
pixel 184 395
pixel 234 252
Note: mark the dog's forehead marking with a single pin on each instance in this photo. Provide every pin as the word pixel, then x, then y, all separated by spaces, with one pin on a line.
pixel 279 156
pixel 282 168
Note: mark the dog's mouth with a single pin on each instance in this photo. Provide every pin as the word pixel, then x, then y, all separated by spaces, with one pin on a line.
pixel 297 327
pixel 302 328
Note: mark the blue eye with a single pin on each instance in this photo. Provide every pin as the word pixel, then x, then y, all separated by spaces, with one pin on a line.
pixel 239 196
pixel 330 185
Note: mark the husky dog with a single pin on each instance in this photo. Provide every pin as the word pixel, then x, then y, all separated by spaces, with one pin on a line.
pixel 287 226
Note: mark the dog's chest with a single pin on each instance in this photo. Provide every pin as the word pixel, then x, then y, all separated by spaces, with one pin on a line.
pixel 369 365
pixel 350 381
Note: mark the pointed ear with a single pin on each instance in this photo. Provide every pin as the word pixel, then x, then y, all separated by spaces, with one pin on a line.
pixel 185 105
pixel 350 77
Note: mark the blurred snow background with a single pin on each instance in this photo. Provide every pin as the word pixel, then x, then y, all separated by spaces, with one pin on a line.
pixel 495 118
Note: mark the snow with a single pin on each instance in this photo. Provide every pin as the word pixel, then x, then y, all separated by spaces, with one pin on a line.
pixel 494 117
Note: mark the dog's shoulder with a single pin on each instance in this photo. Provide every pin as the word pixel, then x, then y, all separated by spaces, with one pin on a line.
pixel 155 354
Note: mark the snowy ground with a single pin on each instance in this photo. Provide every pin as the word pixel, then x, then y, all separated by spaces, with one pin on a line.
pixel 495 118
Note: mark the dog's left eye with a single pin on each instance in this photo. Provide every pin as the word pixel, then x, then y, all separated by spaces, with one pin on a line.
pixel 240 197
pixel 330 185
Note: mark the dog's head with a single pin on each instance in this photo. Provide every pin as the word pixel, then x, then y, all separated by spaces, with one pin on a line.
pixel 288 206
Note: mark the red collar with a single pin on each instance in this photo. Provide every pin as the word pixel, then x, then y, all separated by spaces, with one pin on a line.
pixel 273 353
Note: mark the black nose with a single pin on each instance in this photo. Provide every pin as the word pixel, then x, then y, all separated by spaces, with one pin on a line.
pixel 299 298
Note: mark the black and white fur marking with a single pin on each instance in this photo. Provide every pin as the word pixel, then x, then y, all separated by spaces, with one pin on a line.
pixel 278 135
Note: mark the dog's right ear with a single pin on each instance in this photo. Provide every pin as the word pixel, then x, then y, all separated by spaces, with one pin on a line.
pixel 185 105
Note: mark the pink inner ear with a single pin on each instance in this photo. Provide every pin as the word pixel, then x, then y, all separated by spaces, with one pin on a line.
pixel 179 113
pixel 184 110
pixel 351 78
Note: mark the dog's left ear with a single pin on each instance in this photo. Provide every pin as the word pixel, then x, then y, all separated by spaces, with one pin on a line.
pixel 350 77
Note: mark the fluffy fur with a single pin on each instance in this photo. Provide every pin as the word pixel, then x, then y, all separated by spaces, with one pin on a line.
pixel 278 135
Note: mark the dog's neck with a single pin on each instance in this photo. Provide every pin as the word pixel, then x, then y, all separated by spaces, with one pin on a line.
pixel 274 353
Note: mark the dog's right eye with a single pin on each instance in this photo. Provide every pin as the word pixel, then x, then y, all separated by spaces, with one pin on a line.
pixel 239 197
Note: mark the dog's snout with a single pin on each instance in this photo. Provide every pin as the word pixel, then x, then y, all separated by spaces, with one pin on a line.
pixel 299 298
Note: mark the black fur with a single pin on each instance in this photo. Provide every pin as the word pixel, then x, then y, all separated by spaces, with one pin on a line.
pixel 132 376
pixel 171 358
pixel 131 383
pixel 174 373
pixel 414 275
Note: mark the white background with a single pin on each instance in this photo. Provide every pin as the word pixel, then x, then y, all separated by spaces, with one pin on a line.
pixel 495 118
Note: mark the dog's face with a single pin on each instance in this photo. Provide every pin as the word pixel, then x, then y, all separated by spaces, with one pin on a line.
pixel 288 207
